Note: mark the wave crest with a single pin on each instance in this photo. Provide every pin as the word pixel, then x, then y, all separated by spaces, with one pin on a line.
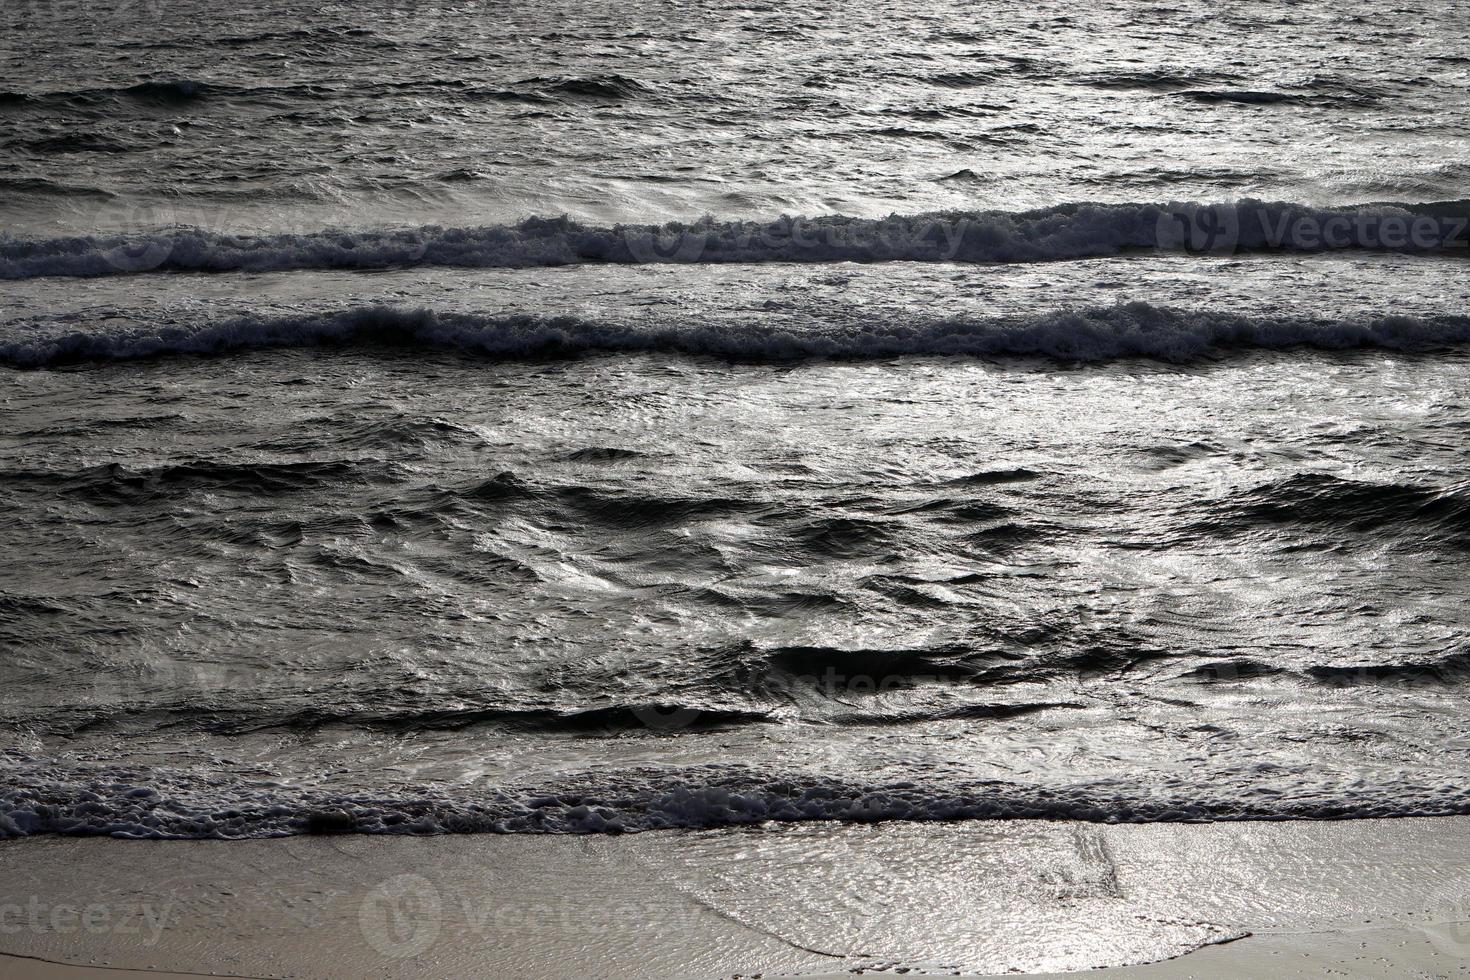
pixel 1087 334
pixel 1067 231
pixel 162 804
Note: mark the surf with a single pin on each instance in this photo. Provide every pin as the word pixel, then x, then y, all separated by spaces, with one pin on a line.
pixel 1058 233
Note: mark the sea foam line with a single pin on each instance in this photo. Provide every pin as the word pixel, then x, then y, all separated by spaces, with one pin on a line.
pixel 1067 231
pixel 1086 334
pixel 164 804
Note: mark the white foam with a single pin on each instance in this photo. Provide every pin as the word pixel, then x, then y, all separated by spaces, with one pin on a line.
pixel 182 805
pixel 1066 231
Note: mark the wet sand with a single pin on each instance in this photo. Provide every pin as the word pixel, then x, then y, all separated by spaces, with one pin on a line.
pixel 1365 898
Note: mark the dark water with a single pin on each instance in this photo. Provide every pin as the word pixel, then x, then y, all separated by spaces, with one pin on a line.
pixel 290 116
pixel 377 458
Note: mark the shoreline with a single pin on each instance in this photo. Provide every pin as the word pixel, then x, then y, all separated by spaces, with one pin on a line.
pixel 982 898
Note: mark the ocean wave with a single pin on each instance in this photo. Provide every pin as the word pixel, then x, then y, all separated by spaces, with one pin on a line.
pixel 1243 96
pixel 653 716
pixel 1324 90
pixel 1085 334
pixel 117 483
pixel 1322 500
pixel 604 88
pixel 840 665
pixel 1019 474
pixel 169 94
pixel 1450 669
pixel 1158 79
pixel 592 89
pixel 1066 231
pixel 173 91
pixel 1265 97
pixel 76 141
pixel 142 803
pixel 43 187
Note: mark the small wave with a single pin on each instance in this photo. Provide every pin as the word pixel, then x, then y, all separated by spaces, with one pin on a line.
pixel 603 88
pixel 1089 334
pixel 969 712
pixel 1067 231
pixel 961 79
pixel 164 93
pixel 1321 499
pixel 528 97
pixel 848 667
pixel 1449 669
pixel 1311 92
pixel 1446 670
pixel 846 537
pixel 1019 474
pixel 1243 96
pixel 74 142
pixel 639 510
pixel 396 434
pixel 965 176
pixel 46 188
pixel 175 91
pixel 603 454
pixel 1238 669
pixel 461 176
pixel 647 716
pixel 1156 79
pixel 904 132
pixel 500 487
pixel 168 91
pixel 353 35
pixel 667 716
pixel 114 482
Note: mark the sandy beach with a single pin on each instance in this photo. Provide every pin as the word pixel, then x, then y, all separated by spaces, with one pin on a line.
pixel 1359 898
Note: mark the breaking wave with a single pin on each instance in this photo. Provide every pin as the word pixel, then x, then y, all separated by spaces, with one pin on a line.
pixel 173 804
pixel 1068 231
pixel 1087 334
